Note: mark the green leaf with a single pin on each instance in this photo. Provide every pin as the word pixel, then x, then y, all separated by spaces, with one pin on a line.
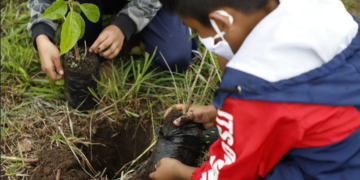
pixel 56 137
pixel 76 7
pixel 194 34
pixel 71 31
pixel 12 168
pixel 52 83
pixel 91 11
pixel 82 24
pixel 60 83
pixel 136 51
pixel 56 11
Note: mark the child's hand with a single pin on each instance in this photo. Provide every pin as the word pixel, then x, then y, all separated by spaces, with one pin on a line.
pixel 111 36
pixel 168 168
pixel 49 58
pixel 205 115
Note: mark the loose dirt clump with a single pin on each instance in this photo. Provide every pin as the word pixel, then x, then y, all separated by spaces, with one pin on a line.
pixel 52 160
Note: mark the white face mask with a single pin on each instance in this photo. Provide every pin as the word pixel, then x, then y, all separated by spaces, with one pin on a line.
pixel 222 48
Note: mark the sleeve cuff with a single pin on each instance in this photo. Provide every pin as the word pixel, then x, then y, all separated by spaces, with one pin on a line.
pixel 42 28
pixel 126 24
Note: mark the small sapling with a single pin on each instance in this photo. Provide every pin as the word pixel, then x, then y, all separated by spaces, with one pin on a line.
pixel 73 27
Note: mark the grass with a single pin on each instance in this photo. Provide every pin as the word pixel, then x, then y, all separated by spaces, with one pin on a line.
pixel 353 6
pixel 32 105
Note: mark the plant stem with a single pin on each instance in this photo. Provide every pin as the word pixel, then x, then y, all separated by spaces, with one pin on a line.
pixel 85 49
pixel 188 101
pixel 77 53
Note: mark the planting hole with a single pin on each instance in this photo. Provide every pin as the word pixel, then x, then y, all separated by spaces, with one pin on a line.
pixel 122 145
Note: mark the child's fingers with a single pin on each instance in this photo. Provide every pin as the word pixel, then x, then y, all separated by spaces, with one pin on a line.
pixel 178 107
pixel 51 74
pixel 105 44
pixel 58 66
pixel 168 111
pixel 112 50
pixel 102 37
pixel 152 176
pixel 157 164
pixel 115 53
pixel 49 69
pixel 177 122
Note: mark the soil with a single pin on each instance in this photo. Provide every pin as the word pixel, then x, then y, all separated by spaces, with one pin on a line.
pixel 52 160
pixel 122 145
pixel 88 66
pixel 124 141
pixel 119 143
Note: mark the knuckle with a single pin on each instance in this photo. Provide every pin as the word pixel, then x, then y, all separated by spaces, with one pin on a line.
pixel 45 68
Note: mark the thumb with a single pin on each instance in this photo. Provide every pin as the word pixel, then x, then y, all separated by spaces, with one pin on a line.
pixel 58 66
pixel 177 122
pixel 157 165
pixel 152 176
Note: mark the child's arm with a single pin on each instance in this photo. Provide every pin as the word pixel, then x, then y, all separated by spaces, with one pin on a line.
pixel 254 136
pixel 42 31
pixel 168 168
pixel 136 15
pixel 39 25
pixel 49 58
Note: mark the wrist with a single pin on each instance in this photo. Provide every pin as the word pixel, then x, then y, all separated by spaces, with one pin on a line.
pixel 184 172
pixel 121 34
pixel 212 111
pixel 41 39
pixel 126 24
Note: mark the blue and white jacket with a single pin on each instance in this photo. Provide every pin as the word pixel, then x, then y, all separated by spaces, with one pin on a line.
pixel 298 113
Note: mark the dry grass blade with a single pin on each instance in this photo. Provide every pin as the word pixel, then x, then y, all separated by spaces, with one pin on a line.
pixel 27 160
pixel 70 121
pixel 58 174
pixel 217 70
pixel 176 89
pixel 207 84
pixel 188 101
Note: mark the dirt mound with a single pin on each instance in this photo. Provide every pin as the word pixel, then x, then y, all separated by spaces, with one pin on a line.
pixel 52 160
pixel 122 145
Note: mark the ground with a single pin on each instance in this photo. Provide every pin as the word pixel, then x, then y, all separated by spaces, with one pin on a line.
pixel 40 133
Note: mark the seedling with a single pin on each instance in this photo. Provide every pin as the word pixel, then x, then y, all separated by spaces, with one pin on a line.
pixel 73 65
pixel 73 27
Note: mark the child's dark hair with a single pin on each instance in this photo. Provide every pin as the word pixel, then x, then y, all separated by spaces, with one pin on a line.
pixel 200 9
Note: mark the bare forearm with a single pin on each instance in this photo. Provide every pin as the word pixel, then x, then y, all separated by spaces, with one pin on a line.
pixel 41 38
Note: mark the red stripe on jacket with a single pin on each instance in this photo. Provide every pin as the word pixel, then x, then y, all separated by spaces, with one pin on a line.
pixel 255 135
